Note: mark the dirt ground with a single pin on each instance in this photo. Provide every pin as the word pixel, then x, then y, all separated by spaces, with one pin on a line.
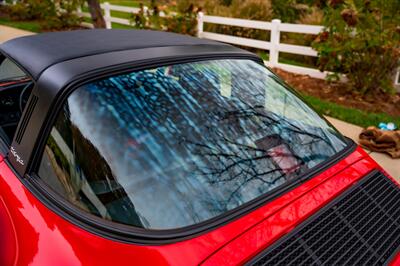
pixel 338 92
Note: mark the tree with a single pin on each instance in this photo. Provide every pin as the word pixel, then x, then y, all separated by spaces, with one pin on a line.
pixel 95 12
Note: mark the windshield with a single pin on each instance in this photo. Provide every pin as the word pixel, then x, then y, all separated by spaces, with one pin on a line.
pixel 177 145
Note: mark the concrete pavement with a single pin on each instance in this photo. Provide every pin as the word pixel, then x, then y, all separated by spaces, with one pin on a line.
pixel 392 166
pixel 8 33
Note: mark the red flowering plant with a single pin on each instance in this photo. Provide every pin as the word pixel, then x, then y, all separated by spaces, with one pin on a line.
pixel 361 39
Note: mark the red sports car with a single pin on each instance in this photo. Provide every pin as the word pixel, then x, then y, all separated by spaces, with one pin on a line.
pixel 150 148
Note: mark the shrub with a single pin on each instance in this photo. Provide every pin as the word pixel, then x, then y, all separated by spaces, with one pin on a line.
pixel 30 9
pixel 362 40
pixel 62 15
pixel 313 16
pixel 287 11
pixel 183 23
pixel 53 14
pixel 246 9
pixel 180 22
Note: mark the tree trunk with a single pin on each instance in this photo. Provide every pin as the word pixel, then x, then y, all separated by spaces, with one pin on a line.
pixel 95 12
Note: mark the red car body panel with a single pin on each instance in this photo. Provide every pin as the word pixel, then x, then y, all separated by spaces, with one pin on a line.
pixel 37 236
pixel 285 219
pixel 396 260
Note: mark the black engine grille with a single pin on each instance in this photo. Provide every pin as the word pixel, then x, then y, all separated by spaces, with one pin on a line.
pixel 362 226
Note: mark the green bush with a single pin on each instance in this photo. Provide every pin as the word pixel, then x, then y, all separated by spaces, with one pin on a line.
pixel 52 14
pixel 245 9
pixel 30 9
pixel 61 15
pixel 288 11
pixel 362 40
pixel 180 22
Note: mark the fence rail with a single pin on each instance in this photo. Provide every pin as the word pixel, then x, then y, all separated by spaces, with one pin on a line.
pixel 274 46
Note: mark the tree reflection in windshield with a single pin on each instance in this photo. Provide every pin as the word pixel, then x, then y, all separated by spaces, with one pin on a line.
pixel 178 145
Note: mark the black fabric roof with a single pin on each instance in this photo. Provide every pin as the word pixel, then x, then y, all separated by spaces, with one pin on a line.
pixel 35 53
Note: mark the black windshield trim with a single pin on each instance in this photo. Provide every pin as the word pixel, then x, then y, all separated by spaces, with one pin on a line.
pixel 130 234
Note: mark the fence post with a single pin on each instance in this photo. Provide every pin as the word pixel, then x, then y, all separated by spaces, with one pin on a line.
pixel 396 81
pixel 275 39
pixel 200 24
pixel 107 15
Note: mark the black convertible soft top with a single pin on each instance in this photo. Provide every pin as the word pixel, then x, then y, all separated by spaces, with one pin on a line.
pixel 36 53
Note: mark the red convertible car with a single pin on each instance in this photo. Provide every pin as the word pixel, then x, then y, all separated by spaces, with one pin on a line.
pixel 151 148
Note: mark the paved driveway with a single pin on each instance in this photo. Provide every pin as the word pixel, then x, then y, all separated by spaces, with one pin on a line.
pixel 392 166
pixel 8 33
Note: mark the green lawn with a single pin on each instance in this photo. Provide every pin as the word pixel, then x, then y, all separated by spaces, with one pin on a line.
pixel 350 115
pixel 23 25
pixel 119 14
pixel 282 59
pixel 126 2
pixel 121 26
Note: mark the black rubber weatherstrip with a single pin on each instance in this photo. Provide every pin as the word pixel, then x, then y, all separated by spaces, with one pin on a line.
pixel 130 234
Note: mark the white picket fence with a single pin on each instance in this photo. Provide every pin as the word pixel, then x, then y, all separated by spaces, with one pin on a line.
pixel 274 45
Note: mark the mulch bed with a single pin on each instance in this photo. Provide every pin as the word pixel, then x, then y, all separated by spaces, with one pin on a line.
pixel 66 29
pixel 339 93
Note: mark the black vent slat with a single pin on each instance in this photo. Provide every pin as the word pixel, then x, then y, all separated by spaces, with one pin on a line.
pixel 389 242
pixel 332 221
pixel 382 209
pixel 348 207
pixel 366 226
pixel 25 120
pixel 357 220
pixel 361 226
pixel 342 227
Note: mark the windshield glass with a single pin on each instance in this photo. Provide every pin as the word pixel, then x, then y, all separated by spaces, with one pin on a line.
pixel 177 145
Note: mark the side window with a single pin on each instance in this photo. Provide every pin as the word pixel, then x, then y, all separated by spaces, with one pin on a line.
pixel 15 88
pixel 10 71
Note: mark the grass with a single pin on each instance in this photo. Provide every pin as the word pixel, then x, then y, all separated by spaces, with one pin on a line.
pixel 33 26
pixel 121 26
pixel 119 14
pixel 130 3
pixel 348 114
pixel 116 14
pixel 265 56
